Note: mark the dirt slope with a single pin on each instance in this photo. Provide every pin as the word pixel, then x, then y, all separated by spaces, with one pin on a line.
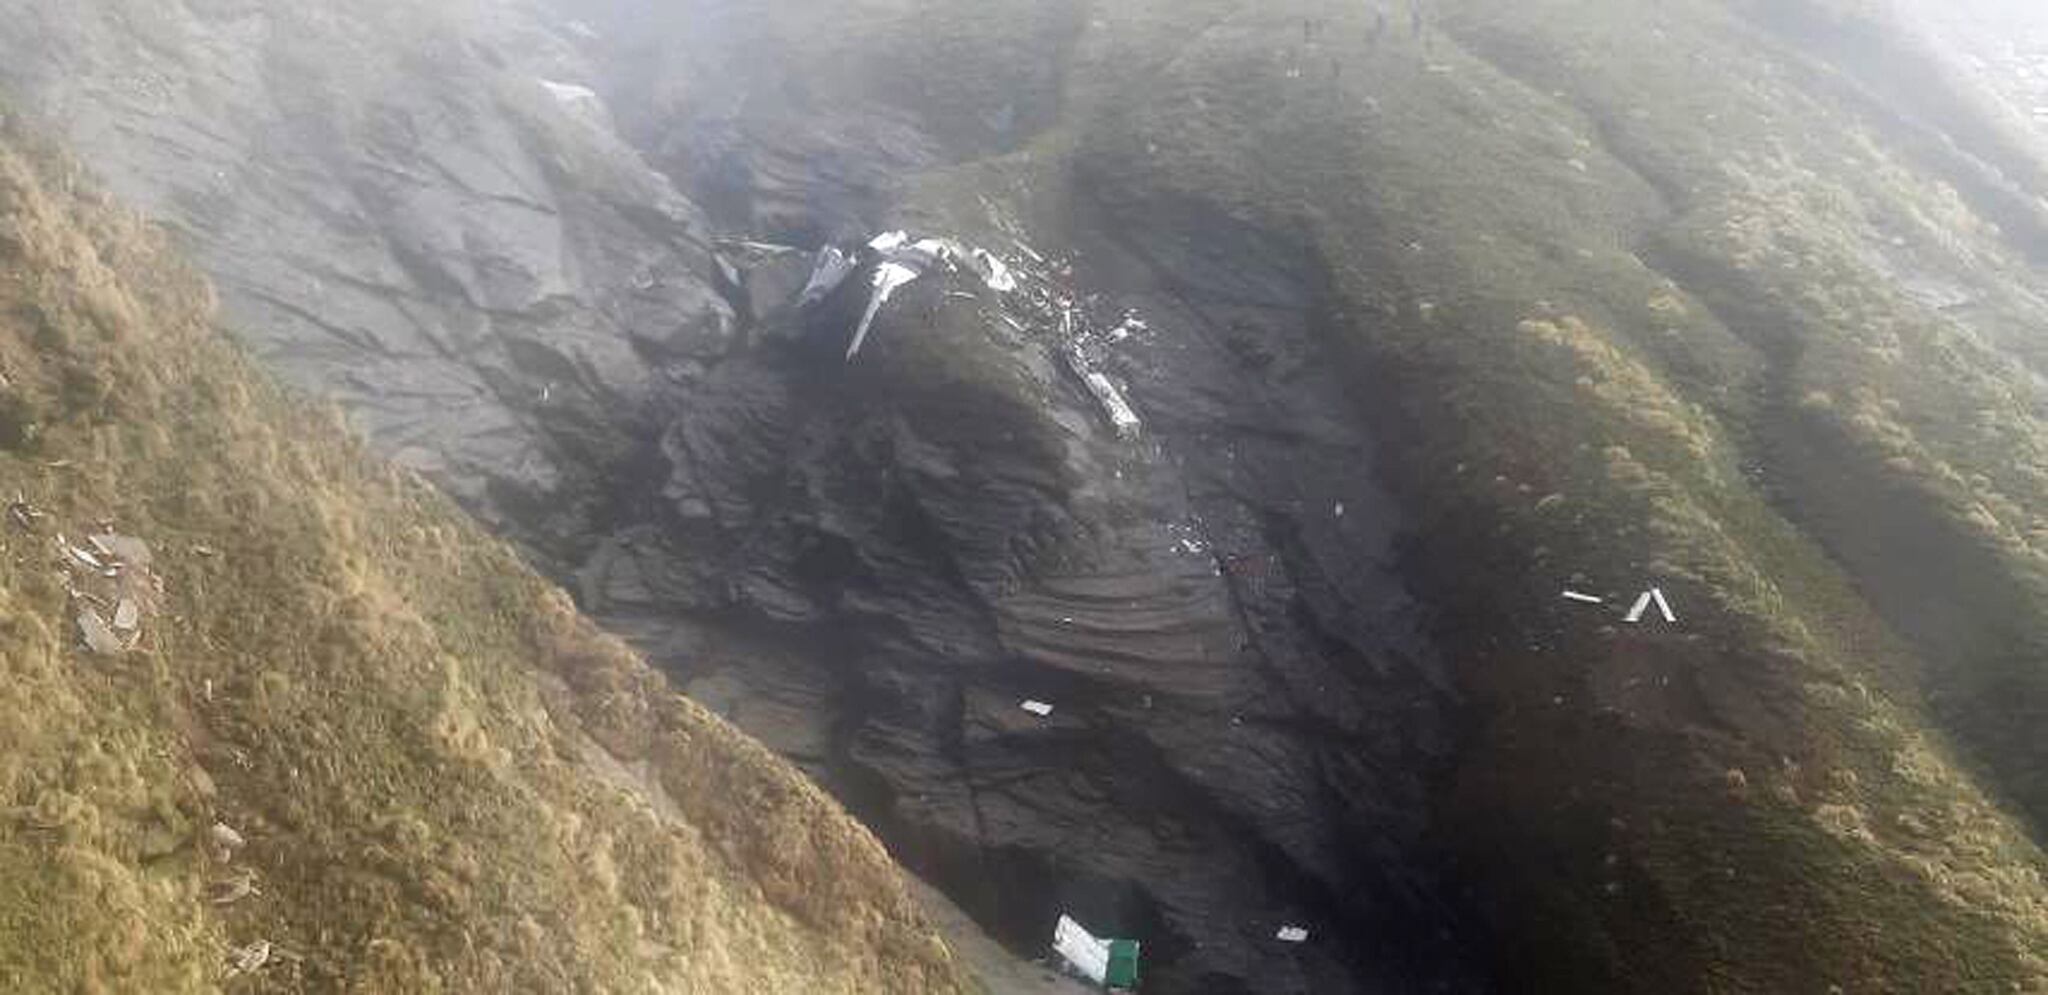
pixel 428 773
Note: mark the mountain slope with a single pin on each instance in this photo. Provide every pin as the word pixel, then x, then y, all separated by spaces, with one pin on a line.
pixel 1439 317
pixel 356 741
pixel 1736 300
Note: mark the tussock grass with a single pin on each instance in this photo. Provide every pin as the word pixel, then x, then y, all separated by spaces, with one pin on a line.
pixel 448 780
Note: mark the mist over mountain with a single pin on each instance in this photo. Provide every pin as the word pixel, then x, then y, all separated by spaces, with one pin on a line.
pixel 1537 495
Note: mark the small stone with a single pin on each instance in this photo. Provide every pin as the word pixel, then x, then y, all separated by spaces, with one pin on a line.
pixel 226 839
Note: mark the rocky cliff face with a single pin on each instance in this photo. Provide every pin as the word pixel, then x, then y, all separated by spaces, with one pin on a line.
pixel 415 212
pixel 1427 319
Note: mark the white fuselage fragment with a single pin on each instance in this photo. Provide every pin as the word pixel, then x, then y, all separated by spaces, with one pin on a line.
pixel 1079 948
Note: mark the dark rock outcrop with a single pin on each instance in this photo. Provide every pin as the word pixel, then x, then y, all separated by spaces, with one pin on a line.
pixel 408 211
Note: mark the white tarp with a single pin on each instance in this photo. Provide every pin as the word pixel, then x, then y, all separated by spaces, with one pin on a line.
pixel 1080 948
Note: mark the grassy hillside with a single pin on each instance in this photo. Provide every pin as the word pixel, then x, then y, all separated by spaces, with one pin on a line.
pixel 441 777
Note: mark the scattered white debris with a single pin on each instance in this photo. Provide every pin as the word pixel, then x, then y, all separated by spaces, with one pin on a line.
pixel 83 557
pixel 1038 708
pixel 129 550
pixel 249 959
pixel 1292 934
pixel 903 261
pixel 1584 599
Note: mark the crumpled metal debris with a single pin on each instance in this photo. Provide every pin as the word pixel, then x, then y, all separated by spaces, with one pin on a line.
pixel 1106 393
pixel 888 278
pixel 112 589
pixel 1038 708
pixel 900 260
pixel 1292 934
pixel 830 269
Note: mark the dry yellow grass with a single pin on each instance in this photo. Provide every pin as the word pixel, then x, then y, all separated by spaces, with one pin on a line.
pixel 447 780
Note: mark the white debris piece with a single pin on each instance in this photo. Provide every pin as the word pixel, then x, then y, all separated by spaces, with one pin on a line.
pixel 127 615
pixel 249 959
pixel 1038 708
pixel 1292 934
pixel 1121 417
pixel 99 637
pixel 1584 599
pixel 581 102
pixel 225 838
pixel 889 278
pixel 1338 510
pixel 903 261
pixel 1663 606
pixel 84 557
pixel 1635 613
pixel 1088 955
pixel 992 270
pixel 1652 596
pixel 830 269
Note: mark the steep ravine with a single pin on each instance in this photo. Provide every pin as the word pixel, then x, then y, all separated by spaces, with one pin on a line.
pixel 1432 322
